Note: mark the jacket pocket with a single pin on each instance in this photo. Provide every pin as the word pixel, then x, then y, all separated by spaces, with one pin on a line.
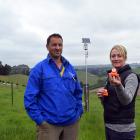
pixel 69 83
pixel 50 82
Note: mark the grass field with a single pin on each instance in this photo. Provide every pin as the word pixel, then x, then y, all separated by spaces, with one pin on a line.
pixel 92 79
pixel 22 79
pixel 137 70
pixel 15 78
pixel 16 125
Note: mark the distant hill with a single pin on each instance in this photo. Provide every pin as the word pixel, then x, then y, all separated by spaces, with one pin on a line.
pixel 81 67
pixel 97 73
pixel 101 70
pixel 94 81
pixel 137 70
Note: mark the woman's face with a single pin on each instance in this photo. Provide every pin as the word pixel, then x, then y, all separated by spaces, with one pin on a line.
pixel 117 59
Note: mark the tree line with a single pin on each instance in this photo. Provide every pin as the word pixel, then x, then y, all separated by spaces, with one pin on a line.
pixel 20 69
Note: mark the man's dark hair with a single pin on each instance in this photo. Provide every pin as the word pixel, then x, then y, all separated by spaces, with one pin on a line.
pixel 53 35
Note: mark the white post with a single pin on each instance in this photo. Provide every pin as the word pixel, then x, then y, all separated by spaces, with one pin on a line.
pixel 86 91
pixel 86 82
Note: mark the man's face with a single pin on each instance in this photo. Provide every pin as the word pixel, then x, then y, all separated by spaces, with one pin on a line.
pixel 55 47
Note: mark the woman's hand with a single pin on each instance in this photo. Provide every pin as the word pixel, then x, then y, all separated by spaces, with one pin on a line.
pixel 100 92
pixel 114 80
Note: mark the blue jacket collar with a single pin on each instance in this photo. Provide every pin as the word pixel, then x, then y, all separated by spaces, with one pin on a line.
pixel 64 60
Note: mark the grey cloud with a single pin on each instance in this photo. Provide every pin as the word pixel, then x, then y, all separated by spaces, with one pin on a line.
pixel 71 4
pixel 105 22
pixel 8 24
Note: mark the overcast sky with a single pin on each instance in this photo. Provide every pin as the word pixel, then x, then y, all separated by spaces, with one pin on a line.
pixel 25 25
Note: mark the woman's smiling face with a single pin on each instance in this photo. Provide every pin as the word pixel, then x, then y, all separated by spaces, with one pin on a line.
pixel 117 59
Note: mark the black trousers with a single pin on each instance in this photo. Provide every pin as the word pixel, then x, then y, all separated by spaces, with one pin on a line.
pixel 114 135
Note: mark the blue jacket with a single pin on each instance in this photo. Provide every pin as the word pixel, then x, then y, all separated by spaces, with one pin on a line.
pixel 52 98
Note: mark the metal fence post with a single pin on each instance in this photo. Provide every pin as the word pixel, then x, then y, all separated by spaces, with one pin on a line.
pixel 86 97
pixel 12 93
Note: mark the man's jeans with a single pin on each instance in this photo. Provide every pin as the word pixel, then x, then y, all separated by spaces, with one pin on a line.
pixel 52 132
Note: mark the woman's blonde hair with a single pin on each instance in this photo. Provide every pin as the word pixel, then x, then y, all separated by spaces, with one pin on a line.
pixel 121 49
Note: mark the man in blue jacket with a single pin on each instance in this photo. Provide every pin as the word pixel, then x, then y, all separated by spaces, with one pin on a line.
pixel 53 96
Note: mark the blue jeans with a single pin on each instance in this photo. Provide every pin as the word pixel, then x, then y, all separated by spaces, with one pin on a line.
pixel 114 135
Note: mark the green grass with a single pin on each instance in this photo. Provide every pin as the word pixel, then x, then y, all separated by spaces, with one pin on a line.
pixel 16 78
pixel 137 119
pixel 92 79
pixel 22 79
pixel 137 70
pixel 16 125
pixel 91 124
